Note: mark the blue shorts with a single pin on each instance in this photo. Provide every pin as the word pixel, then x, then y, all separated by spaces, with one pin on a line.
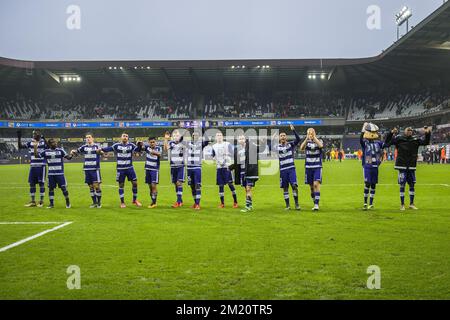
pixel 151 176
pixel 194 176
pixel 224 176
pixel 56 181
pixel 36 175
pixel 126 173
pixel 370 175
pixel 313 174
pixel 406 176
pixel 288 177
pixel 246 181
pixel 92 176
pixel 177 174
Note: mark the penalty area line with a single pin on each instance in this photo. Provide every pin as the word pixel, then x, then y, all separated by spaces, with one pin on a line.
pixel 18 243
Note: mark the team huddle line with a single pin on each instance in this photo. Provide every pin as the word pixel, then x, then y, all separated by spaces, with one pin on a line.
pixel 185 157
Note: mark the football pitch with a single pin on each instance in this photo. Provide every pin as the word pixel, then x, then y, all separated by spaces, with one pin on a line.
pixel 165 253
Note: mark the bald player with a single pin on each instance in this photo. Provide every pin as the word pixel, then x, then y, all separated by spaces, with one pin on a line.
pixel 313 164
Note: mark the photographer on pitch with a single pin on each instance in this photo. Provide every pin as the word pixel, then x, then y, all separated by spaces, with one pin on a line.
pixel 407 146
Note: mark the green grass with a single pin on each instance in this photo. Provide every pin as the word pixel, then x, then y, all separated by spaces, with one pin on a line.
pixel 138 253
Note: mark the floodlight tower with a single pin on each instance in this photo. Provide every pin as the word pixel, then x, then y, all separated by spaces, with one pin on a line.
pixel 402 17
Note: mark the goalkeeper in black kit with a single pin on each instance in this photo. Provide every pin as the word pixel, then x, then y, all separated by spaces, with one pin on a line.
pixel 407 146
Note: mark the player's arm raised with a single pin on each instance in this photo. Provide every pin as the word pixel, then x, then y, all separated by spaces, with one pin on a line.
pixel 19 141
pixel 166 141
pixel 45 140
pixel 303 145
pixel 308 137
pixel 35 147
pixel 391 138
pixel 317 141
pixel 361 137
pixel 139 147
pixel 297 137
pixel 426 140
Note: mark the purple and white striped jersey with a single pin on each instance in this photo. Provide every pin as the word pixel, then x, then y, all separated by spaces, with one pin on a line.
pixel 151 161
pixel 286 153
pixel 195 153
pixel 223 153
pixel 91 157
pixel 124 154
pixel 313 154
pixel 36 161
pixel 176 154
pixel 55 160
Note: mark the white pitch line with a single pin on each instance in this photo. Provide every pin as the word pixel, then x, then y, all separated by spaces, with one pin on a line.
pixel 18 243
pixel 31 222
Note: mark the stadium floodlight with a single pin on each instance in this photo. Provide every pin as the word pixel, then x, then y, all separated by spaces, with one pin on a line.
pixel 258 67
pixel 232 67
pixel 402 17
pixel 110 67
pixel 243 67
pixel 78 79
pixel 120 68
pixel 148 68
pixel 322 76
pixel 313 76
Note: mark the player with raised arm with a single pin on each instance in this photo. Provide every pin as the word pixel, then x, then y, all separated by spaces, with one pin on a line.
pixel 222 152
pixel 152 161
pixel 372 153
pixel 194 166
pixel 176 151
pixel 37 166
pixel 407 146
pixel 124 151
pixel 313 164
pixel 288 174
pixel 54 157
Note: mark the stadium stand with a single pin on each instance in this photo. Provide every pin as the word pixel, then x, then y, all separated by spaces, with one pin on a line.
pixel 105 107
pixel 300 105
pixel 441 135
pixel 397 105
pixel 284 106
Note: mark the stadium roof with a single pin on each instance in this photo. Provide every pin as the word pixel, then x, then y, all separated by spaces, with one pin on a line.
pixel 423 53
